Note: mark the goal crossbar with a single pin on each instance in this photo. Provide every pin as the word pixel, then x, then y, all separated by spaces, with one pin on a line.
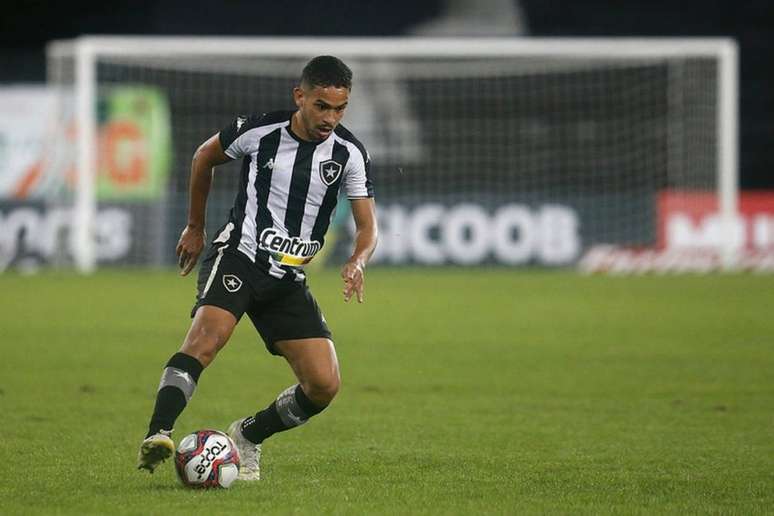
pixel 398 47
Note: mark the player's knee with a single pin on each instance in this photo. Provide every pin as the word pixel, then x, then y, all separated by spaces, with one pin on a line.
pixel 321 389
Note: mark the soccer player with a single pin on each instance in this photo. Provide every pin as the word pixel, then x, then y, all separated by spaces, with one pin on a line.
pixel 293 166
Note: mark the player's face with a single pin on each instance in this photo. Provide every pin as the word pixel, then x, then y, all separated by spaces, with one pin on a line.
pixel 321 109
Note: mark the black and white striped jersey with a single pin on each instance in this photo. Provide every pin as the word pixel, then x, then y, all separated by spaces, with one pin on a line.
pixel 288 190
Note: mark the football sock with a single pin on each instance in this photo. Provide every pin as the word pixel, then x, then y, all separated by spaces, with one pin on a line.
pixel 291 408
pixel 177 385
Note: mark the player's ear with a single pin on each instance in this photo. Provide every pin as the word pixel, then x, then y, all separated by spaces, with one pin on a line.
pixel 298 96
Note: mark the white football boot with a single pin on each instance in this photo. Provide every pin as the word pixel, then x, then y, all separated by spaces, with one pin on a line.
pixel 155 449
pixel 249 453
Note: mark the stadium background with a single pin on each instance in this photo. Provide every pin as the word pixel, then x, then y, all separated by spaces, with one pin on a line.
pixel 26 28
pixel 612 186
pixel 466 390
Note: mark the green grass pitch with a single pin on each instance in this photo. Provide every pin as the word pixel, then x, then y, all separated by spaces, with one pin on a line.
pixel 464 392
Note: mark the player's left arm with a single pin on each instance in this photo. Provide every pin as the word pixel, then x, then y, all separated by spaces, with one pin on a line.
pixel 366 232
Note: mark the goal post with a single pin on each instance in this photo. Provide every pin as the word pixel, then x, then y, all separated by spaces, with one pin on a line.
pixel 85 206
pixel 601 126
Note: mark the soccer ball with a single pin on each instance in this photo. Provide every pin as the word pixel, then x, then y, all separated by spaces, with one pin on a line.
pixel 207 458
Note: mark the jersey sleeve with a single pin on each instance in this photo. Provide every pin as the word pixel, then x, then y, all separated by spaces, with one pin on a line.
pixel 235 138
pixel 357 180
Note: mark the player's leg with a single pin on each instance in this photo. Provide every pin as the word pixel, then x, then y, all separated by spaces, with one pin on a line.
pixel 316 367
pixel 221 301
pixel 292 326
pixel 211 328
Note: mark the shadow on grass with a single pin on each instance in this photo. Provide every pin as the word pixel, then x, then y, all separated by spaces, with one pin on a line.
pixel 166 487
pixel 179 488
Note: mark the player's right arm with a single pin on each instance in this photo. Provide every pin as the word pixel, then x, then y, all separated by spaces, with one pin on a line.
pixel 209 155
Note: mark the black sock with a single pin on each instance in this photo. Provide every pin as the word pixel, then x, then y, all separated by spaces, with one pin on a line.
pixel 292 408
pixel 178 382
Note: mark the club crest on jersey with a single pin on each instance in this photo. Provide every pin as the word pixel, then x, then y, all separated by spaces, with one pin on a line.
pixel 231 282
pixel 329 171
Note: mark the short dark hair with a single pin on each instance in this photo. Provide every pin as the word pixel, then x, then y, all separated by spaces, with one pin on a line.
pixel 327 71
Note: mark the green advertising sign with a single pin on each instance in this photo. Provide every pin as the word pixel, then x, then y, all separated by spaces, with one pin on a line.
pixel 134 144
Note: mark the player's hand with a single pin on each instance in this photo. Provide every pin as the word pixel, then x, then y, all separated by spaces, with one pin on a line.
pixel 353 274
pixel 189 247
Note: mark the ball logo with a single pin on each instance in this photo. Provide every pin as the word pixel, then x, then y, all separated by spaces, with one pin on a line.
pixel 329 171
pixel 231 282
pixel 207 457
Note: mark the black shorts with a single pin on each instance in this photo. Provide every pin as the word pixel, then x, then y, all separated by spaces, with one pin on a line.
pixel 280 309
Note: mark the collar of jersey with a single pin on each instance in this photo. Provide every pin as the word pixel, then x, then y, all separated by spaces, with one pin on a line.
pixel 301 140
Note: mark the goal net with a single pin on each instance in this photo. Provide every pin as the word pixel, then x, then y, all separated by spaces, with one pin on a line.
pixel 511 152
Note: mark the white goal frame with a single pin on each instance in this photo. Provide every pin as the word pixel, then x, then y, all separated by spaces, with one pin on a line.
pixel 87 50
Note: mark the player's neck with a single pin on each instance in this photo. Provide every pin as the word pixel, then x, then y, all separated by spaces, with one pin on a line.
pixel 298 129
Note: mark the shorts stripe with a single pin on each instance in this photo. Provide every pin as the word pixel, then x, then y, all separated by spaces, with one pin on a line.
pixel 225 234
pixel 213 272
